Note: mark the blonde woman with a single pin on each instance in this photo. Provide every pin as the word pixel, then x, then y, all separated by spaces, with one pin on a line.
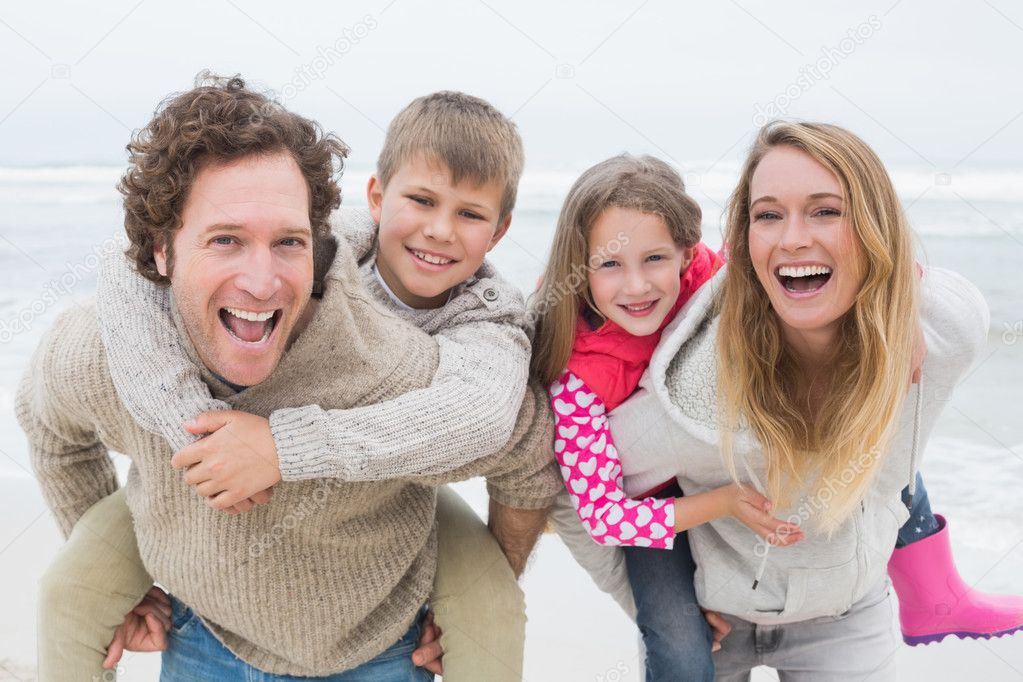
pixel 788 373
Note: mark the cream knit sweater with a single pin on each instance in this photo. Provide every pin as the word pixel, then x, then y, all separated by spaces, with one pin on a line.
pixel 328 574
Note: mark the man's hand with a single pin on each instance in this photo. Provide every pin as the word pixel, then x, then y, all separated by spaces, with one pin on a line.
pixel 428 653
pixel 719 628
pixel 144 628
pixel 235 461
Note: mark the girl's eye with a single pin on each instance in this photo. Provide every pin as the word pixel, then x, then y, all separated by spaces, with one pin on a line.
pixel 609 264
pixel 654 258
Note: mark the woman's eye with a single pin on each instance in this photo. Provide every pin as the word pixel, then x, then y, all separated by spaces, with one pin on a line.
pixel 766 215
pixel 829 212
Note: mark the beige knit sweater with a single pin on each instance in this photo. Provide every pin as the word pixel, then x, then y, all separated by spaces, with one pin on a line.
pixel 330 573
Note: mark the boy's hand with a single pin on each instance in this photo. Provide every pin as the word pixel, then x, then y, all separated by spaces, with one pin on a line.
pixel 234 462
pixel 751 508
pixel 719 628
pixel 144 628
pixel 428 653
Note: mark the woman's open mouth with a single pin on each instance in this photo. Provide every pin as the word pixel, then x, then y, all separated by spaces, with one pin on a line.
pixel 250 327
pixel 803 279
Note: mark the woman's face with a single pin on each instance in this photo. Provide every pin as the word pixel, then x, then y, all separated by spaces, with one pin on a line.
pixel 802 244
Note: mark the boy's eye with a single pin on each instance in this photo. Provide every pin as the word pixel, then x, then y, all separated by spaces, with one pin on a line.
pixel 421 200
pixel 472 216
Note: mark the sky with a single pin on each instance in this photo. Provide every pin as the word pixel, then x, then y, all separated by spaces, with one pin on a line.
pixel 933 85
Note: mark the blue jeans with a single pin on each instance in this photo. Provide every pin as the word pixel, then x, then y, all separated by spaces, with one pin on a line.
pixel 194 655
pixel 921 523
pixel 675 633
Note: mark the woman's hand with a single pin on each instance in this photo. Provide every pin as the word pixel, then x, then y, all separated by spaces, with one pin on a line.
pixel 751 508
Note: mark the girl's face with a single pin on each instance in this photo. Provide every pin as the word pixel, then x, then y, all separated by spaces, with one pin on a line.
pixel 802 244
pixel 635 268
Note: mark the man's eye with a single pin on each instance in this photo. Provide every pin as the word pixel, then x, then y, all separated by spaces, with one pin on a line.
pixel 292 241
pixel 222 241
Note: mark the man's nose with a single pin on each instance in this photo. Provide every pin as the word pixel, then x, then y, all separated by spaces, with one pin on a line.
pixel 258 274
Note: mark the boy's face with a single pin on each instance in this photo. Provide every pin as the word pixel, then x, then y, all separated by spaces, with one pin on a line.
pixel 433 234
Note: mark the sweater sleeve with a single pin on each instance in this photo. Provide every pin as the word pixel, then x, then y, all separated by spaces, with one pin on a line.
pixel 522 474
pixel 592 472
pixel 72 466
pixel 154 378
pixel 465 413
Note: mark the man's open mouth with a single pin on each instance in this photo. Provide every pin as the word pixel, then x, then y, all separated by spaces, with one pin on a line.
pixel 803 278
pixel 250 326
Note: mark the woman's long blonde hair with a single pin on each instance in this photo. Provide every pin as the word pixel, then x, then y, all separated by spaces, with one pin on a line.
pixel 644 184
pixel 841 447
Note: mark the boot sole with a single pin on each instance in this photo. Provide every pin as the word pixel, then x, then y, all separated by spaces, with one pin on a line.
pixel 915 640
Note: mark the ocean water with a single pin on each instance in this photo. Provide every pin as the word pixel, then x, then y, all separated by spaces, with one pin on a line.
pixel 56 223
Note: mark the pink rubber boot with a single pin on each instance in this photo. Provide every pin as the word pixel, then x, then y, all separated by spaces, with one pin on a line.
pixel 934 602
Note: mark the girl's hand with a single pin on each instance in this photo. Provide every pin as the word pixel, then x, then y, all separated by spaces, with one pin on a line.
pixel 751 508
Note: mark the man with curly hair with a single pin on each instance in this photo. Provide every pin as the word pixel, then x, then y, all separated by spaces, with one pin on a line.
pixel 227 201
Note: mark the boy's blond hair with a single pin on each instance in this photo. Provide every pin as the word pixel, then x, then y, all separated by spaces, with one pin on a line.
pixel 473 139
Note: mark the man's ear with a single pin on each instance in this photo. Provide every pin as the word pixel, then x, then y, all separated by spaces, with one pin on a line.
pixel 375 197
pixel 502 229
pixel 160 256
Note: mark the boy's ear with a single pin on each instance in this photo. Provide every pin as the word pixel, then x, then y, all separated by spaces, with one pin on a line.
pixel 375 197
pixel 502 229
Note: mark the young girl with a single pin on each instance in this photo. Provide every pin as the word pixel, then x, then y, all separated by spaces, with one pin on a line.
pixel 630 227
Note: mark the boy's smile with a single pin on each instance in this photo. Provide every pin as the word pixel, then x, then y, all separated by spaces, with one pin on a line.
pixel 434 234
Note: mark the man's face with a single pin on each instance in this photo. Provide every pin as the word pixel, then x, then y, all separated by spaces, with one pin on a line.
pixel 242 270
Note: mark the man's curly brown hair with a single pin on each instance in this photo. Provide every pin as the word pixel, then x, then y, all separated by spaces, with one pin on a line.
pixel 219 121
